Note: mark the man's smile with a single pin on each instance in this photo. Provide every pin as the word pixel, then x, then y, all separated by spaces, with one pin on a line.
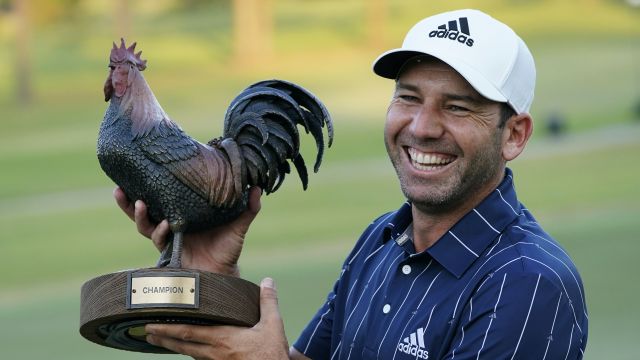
pixel 428 161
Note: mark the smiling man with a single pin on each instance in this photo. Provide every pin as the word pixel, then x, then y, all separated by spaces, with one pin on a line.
pixel 462 270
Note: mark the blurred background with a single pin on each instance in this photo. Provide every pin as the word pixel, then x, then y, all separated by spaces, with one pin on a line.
pixel 59 225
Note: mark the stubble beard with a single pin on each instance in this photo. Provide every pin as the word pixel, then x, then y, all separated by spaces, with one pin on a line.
pixel 469 177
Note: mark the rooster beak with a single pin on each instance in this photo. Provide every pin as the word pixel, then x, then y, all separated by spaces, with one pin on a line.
pixel 108 87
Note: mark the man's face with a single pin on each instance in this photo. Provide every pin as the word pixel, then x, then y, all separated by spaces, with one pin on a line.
pixel 443 138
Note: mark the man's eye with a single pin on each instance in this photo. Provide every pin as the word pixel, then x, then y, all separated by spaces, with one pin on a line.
pixel 457 108
pixel 409 98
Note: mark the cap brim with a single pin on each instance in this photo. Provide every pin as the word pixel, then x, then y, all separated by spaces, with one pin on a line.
pixel 390 63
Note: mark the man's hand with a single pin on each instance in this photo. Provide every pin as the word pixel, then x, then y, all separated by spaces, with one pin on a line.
pixel 216 250
pixel 265 341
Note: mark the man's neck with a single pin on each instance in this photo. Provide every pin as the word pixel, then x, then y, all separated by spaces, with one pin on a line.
pixel 428 228
pixel 429 225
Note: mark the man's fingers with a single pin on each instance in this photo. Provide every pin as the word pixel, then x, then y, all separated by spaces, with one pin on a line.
pixel 123 202
pixel 159 235
pixel 138 213
pixel 193 349
pixel 193 340
pixel 144 225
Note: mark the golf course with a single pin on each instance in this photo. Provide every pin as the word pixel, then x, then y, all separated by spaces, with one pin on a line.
pixel 60 225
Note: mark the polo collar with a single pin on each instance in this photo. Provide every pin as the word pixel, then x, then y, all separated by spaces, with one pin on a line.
pixel 461 245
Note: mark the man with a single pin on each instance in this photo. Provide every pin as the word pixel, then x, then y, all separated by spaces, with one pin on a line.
pixel 462 270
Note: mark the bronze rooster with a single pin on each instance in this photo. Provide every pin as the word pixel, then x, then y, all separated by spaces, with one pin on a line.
pixel 193 185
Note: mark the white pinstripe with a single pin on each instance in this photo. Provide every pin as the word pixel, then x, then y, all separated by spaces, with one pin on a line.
pixel 480 268
pixel 553 324
pixel 367 284
pixel 506 202
pixel 418 307
pixel 428 289
pixel 429 320
pixel 362 294
pixel 496 244
pixel 495 308
pixel 336 350
pixel 570 338
pixel 400 307
pixel 375 230
pixel 584 306
pixel 485 220
pixel 573 310
pixel 526 320
pixel 342 273
pixel 455 309
pixel 366 313
pixel 351 291
pixel 490 276
pixel 453 353
pixel 374 252
pixel 316 329
pixel 463 244
pixel 543 238
pixel 407 324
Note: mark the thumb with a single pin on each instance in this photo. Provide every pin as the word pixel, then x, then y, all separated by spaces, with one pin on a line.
pixel 269 301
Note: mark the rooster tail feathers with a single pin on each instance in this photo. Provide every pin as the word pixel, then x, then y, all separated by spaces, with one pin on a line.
pixel 244 120
pixel 298 162
pixel 263 122
pixel 307 100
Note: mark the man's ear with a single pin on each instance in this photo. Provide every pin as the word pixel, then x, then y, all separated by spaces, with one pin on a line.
pixel 517 132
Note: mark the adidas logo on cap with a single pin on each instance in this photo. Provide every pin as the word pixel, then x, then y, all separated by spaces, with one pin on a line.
pixel 452 31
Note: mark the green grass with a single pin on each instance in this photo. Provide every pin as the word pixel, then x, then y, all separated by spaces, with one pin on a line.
pixel 303 249
pixel 60 226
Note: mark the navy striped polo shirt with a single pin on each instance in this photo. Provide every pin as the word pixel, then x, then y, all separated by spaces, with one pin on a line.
pixel 495 286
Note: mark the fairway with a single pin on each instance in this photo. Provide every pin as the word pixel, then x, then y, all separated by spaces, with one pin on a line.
pixel 303 250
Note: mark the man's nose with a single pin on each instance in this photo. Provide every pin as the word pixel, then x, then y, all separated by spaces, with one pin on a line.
pixel 427 123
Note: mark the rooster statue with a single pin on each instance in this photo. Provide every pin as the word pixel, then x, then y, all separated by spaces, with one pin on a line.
pixel 193 185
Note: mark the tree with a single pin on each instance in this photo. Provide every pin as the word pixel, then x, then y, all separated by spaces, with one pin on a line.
pixel 24 90
pixel 376 17
pixel 252 31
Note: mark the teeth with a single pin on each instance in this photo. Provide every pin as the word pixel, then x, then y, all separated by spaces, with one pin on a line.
pixel 423 161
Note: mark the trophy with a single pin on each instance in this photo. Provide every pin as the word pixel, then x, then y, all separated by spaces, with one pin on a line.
pixel 194 186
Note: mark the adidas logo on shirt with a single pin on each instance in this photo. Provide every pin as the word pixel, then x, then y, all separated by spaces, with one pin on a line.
pixel 456 30
pixel 414 345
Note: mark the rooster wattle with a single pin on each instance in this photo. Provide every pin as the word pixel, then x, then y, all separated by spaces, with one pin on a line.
pixel 193 185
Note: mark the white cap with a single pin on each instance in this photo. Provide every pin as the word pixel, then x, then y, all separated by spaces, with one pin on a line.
pixel 486 52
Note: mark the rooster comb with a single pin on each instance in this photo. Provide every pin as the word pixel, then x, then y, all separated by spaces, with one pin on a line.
pixel 123 54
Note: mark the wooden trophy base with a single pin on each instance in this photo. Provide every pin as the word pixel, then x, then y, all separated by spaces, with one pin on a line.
pixel 114 308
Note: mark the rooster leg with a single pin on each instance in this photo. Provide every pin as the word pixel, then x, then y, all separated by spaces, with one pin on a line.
pixel 165 256
pixel 176 253
pixel 171 255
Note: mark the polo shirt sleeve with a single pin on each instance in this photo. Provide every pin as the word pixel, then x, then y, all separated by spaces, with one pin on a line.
pixel 517 316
